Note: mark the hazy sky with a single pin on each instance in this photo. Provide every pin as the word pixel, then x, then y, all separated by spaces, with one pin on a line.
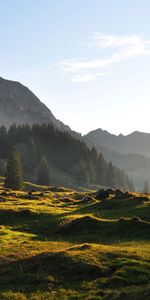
pixel 87 60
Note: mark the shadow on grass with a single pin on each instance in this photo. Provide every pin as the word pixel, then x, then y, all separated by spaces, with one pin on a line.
pixel 42 225
pixel 81 229
pixel 112 208
pixel 26 274
pixel 91 229
pixel 110 270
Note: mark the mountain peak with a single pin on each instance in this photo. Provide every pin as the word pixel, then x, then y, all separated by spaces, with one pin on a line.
pixel 100 132
pixel 19 105
pixel 135 142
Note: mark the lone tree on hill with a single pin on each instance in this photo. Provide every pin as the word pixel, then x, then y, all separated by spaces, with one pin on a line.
pixel 43 173
pixel 14 174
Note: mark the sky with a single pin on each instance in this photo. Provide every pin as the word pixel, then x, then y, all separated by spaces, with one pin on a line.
pixel 87 60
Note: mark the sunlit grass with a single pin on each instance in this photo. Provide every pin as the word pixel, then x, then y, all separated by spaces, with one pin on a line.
pixel 54 245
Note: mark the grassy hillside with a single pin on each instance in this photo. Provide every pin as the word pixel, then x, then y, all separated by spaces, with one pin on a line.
pixel 62 244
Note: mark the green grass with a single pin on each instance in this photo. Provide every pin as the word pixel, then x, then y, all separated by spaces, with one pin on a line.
pixel 59 244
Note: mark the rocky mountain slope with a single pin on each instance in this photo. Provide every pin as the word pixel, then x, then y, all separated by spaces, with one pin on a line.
pixel 19 105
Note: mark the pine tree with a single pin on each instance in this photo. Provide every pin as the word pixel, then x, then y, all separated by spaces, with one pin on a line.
pixel 110 178
pixel 131 185
pixel 101 170
pixel 146 187
pixel 81 173
pixel 14 174
pixel 43 173
pixel 32 153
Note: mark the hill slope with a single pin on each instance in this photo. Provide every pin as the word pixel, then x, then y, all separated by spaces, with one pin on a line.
pixel 19 105
pixel 54 246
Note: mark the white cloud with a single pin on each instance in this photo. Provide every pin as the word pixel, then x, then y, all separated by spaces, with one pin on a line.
pixel 87 77
pixel 122 48
pixel 125 46
pixel 76 66
pixel 106 41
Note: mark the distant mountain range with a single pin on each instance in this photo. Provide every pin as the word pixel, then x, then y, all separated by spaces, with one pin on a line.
pixel 19 105
pixel 136 142
pixel 129 152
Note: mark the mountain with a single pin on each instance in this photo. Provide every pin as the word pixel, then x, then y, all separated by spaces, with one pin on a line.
pixel 19 105
pixel 136 142
pixel 128 152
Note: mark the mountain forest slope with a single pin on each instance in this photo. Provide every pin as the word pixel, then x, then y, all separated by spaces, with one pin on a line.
pixel 69 160
pixel 130 153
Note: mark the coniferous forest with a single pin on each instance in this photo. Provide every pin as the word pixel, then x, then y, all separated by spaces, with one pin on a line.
pixel 62 158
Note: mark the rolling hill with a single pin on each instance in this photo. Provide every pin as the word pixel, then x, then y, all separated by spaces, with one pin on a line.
pixel 63 244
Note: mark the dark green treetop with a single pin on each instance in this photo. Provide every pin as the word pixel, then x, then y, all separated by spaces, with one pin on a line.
pixel 14 173
pixel 43 173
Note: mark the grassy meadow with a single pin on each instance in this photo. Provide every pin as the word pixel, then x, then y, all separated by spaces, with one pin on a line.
pixel 57 243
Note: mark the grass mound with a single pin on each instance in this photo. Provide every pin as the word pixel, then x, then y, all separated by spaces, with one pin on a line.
pixel 134 227
pixel 81 247
pixel 88 200
pixel 58 189
pixel 78 196
pixel 68 200
pixel 85 223
pixel 61 265
pixel 89 227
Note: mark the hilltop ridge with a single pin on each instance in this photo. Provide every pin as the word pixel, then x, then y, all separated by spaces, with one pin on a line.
pixel 135 142
pixel 21 106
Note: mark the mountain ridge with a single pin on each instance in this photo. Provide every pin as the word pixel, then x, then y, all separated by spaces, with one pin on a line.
pixel 129 152
pixel 117 135
pixel 20 105
pixel 136 142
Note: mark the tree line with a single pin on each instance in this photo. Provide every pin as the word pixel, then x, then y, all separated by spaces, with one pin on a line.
pixel 43 149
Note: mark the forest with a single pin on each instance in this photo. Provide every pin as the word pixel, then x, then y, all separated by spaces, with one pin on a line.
pixel 64 158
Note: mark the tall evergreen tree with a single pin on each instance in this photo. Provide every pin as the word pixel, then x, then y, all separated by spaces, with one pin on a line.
pixel 81 173
pixel 14 174
pixel 32 153
pixel 146 187
pixel 43 173
pixel 131 187
pixel 101 167
pixel 110 178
